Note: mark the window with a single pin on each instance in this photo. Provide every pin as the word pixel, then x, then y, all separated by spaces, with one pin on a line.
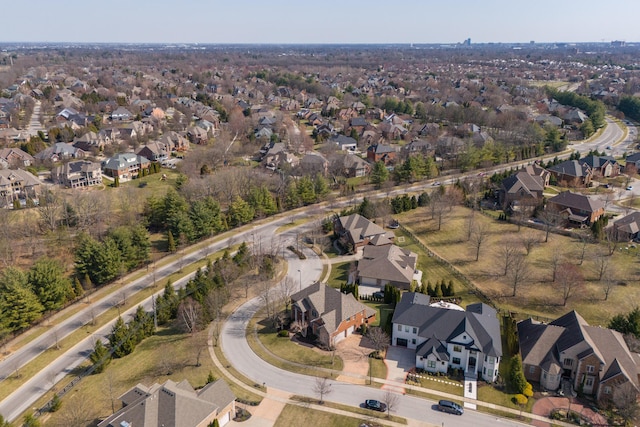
pixel 464 337
pixel 415 330
pixel 568 362
pixel 491 360
pixel 589 382
pixel 406 328
pixel 413 341
pixel 590 369
pixel 431 364
pixel 532 369
pixel 455 360
pixel 457 348
pixel 399 328
pixel 490 373
pixel 606 390
pixel 544 376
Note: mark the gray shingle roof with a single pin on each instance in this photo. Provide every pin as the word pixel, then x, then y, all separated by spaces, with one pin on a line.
pixel 577 201
pixel 445 325
pixel 389 262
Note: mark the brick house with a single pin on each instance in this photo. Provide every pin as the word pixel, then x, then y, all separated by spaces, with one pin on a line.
pixel 575 209
pixel 572 174
pixel 125 166
pixel 328 313
pixel 381 152
pixel 591 359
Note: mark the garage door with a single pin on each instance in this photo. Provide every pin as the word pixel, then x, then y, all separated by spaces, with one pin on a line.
pixel 349 331
pixel 401 342
pixel 224 419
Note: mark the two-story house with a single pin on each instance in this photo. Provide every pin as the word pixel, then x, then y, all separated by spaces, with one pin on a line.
pixel 80 173
pixel 571 173
pixel 388 264
pixel 355 231
pixel 592 359
pixel 449 338
pixel 125 166
pixel 328 313
pixel 575 209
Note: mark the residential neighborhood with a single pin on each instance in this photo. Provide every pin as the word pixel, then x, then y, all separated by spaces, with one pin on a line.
pixel 212 225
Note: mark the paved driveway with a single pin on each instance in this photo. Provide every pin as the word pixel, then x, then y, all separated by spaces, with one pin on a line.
pixel 399 361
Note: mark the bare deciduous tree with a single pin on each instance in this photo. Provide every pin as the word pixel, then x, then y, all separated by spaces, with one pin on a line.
pixel 607 283
pixel 519 272
pixel 556 259
pixel 285 290
pixel 506 253
pixel 478 237
pixel 391 400
pixel 569 279
pixel 529 240
pixel 76 411
pixel 190 315
pixel 322 387
pixel 601 264
pixel 379 338
pixel 625 399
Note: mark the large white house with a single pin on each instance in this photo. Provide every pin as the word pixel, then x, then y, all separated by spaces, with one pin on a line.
pixel 447 338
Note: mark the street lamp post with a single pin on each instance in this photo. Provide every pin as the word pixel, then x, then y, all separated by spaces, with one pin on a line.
pixel 300 282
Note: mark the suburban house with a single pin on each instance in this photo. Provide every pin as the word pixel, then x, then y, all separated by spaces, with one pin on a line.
pixel 355 231
pixel 627 228
pixel 575 209
pixel 389 264
pixel 121 113
pixel 154 151
pixel 381 152
pixel 521 191
pixel 446 337
pixel 535 169
pixel 19 185
pixel 632 164
pixel 419 146
pixel 60 151
pixel 125 166
pixel 174 404
pixel 354 166
pixel 15 158
pixel 313 163
pixel 345 143
pixel 602 166
pixel 572 174
pixel 80 173
pixel 592 359
pixel 328 313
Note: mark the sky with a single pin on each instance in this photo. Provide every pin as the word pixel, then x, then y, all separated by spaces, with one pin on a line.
pixel 321 22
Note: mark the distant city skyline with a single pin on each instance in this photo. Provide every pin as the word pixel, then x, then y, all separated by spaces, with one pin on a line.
pixel 328 22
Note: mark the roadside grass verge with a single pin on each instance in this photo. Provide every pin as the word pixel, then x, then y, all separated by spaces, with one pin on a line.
pixel 20 376
pixel 289 355
pixel 367 413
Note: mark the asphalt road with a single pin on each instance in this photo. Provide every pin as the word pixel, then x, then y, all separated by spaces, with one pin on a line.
pixel 35 387
pixel 240 355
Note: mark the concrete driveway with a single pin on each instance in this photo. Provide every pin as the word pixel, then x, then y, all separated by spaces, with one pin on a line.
pixel 399 361
pixel 354 352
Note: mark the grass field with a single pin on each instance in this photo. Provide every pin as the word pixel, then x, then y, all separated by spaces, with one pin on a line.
pixel 168 355
pixel 339 274
pixel 538 296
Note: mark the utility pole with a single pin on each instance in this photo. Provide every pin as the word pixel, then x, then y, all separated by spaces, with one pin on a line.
pixel 155 313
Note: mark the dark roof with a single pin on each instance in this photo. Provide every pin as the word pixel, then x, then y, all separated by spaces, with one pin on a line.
pixel 445 324
pixel 381 149
pixel 570 168
pixel 596 162
pixel 629 224
pixel 523 181
pixel 577 201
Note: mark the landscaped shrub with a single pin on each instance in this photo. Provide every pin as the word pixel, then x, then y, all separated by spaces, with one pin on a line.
pixel 520 399
pixel 283 333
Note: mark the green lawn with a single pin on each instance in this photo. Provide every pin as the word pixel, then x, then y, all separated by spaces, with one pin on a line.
pixel 289 350
pixel 339 274
pixel 293 415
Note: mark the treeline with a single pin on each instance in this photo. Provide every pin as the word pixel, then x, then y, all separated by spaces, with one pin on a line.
pixel 123 249
pixel 630 106
pixel 190 221
pixel 25 296
pixel 594 109
pixel 193 307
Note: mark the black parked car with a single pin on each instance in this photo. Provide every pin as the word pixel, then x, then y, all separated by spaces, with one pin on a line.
pixel 375 405
pixel 450 407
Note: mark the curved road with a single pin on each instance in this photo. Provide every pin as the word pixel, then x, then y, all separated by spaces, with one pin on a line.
pixel 26 395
